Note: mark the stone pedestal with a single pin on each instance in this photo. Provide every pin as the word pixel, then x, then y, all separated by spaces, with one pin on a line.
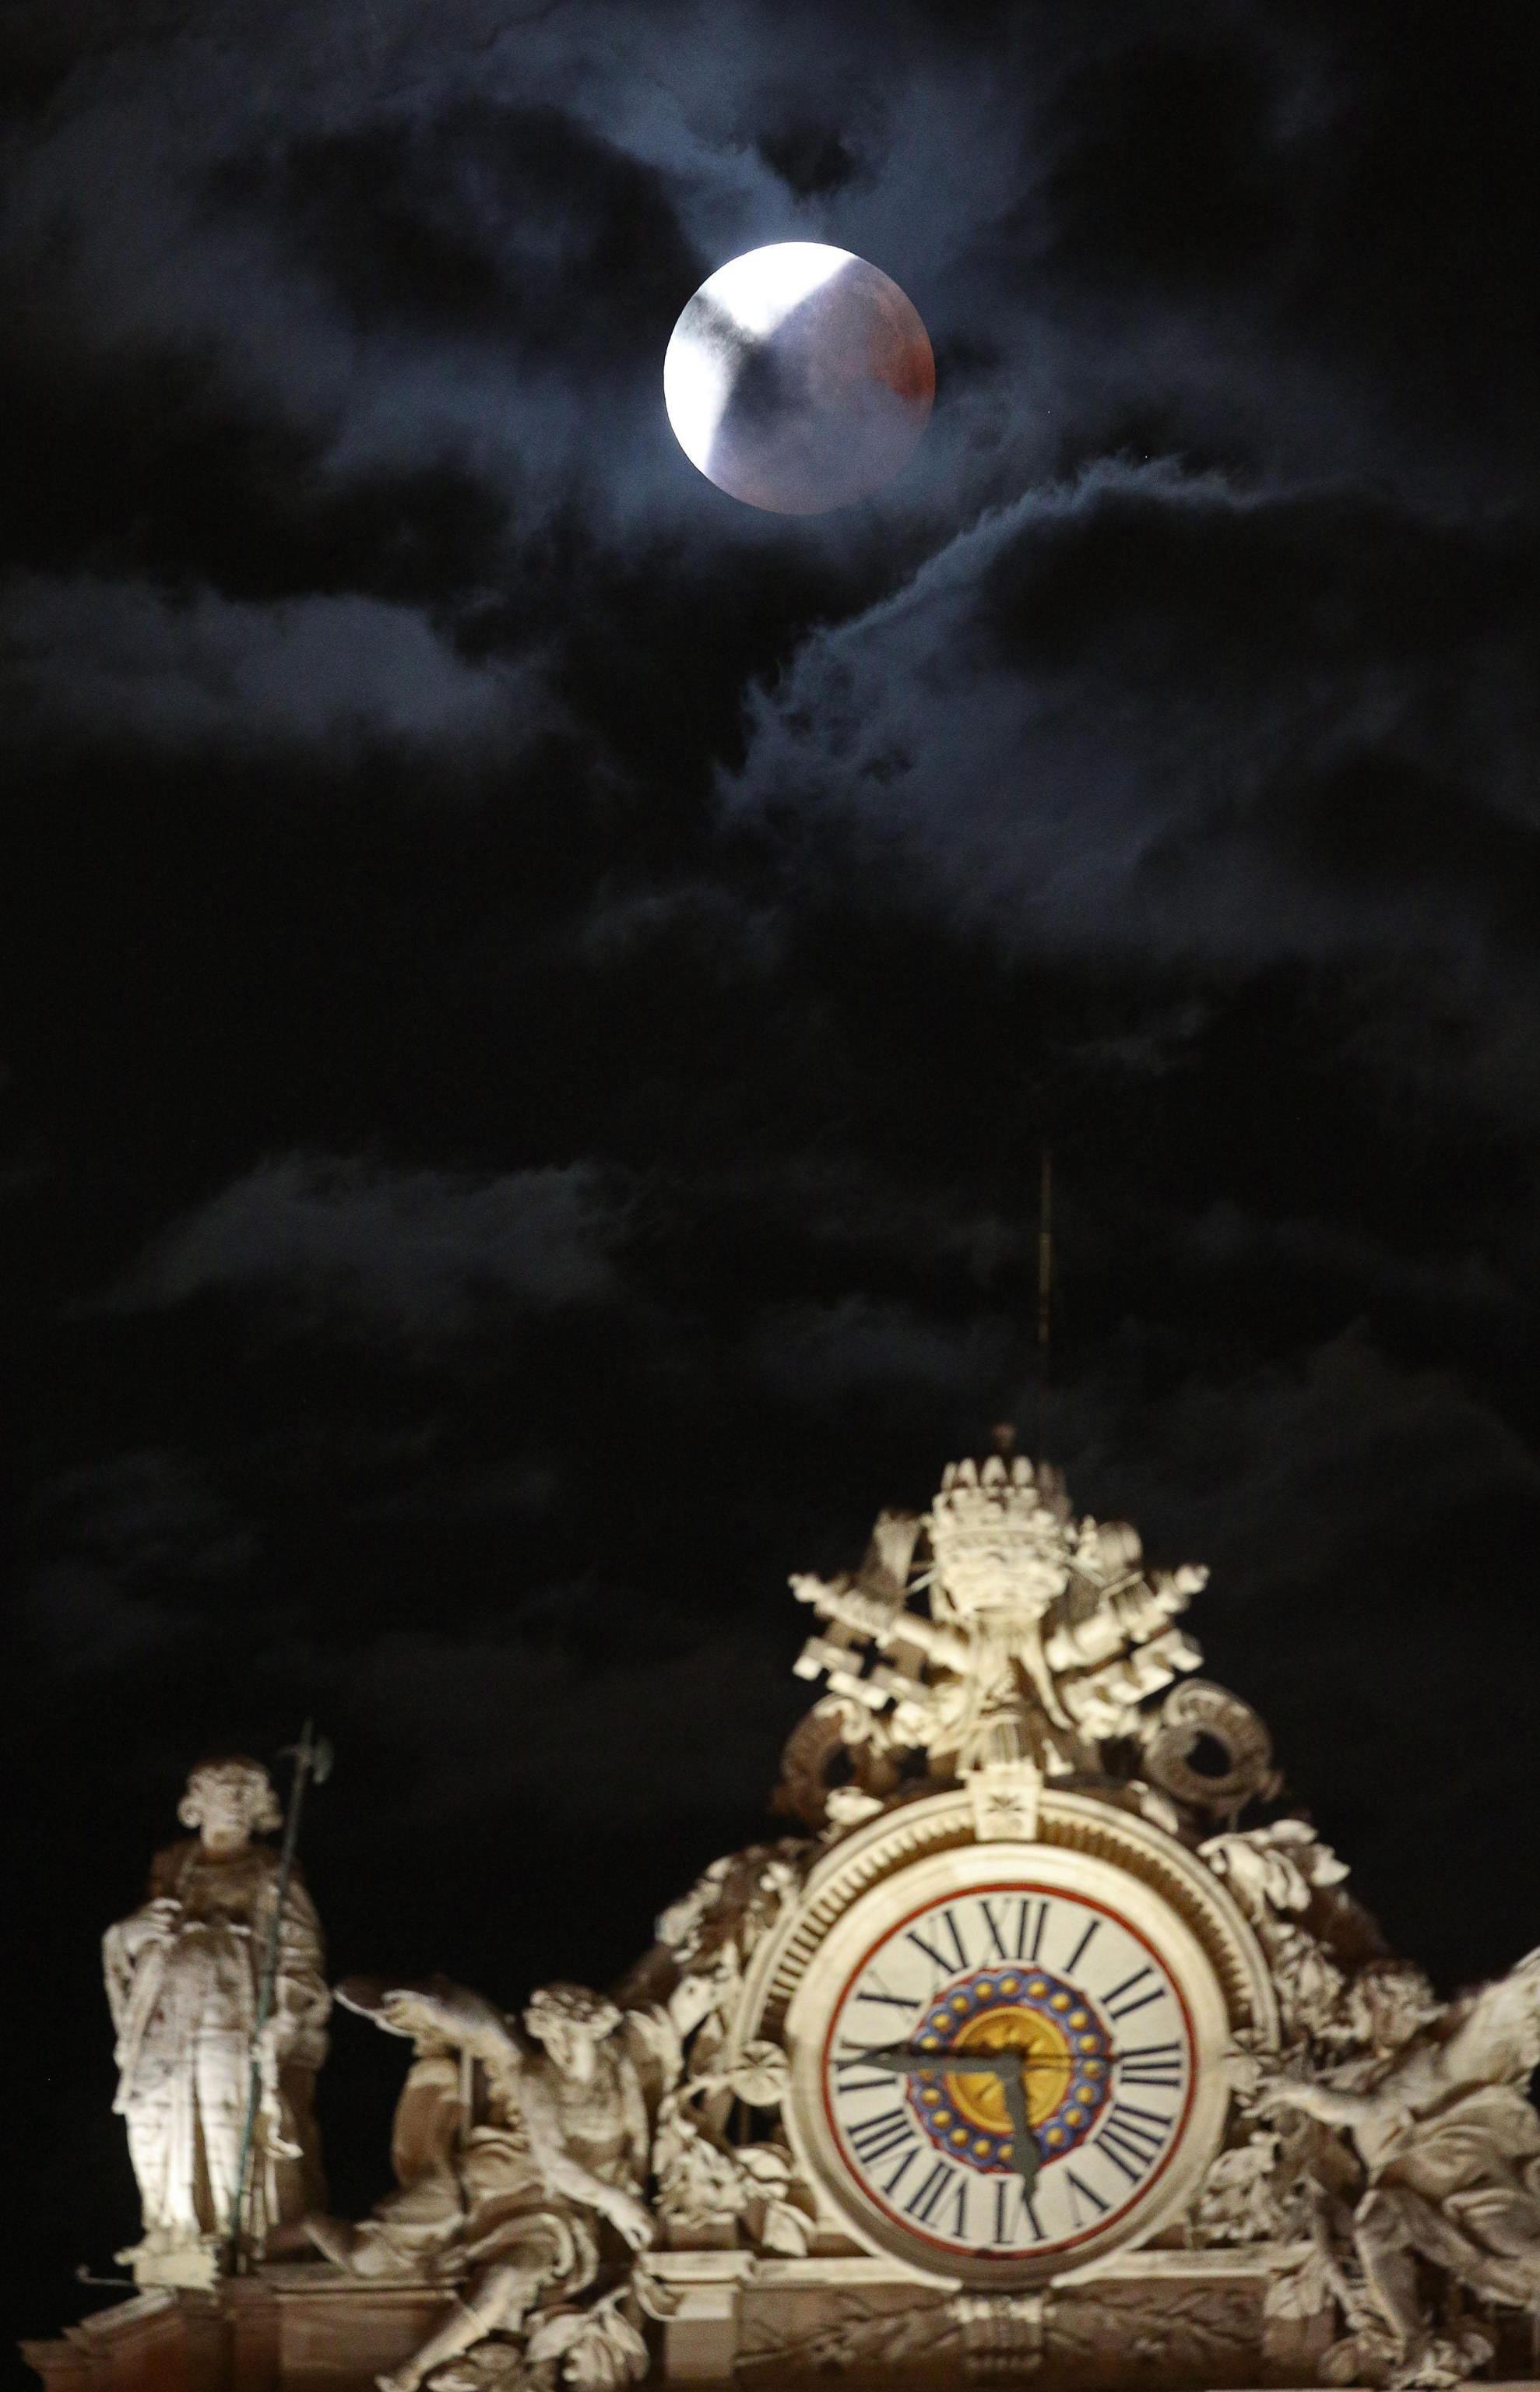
pixel 1153 2321
pixel 1158 2319
pixel 295 2329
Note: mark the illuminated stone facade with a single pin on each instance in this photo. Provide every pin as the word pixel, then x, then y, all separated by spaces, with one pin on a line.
pixel 1049 2046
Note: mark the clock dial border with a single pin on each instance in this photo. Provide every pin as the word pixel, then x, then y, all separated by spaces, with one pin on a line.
pixel 1036 1868
pixel 1015 1886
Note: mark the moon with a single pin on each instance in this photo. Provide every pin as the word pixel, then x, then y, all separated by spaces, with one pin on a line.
pixel 798 377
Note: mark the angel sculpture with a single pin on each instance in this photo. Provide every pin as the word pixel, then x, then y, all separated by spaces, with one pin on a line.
pixel 521 2190
pixel 1449 2141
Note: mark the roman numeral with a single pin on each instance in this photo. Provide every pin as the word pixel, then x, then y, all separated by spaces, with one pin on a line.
pixel 875 2138
pixel 1078 2186
pixel 929 2196
pixel 878 1993
pixel 1157 2065
pixel 1080 1951
pixel 1004 2188
pixel 902 2169
pixel 949 1968
pixel 859 2084
pixel 849 2056
pixel 1127 2140
pixel 960 2209
pixel 1016 1949
pixel 1002 1949
pixel 1113 2003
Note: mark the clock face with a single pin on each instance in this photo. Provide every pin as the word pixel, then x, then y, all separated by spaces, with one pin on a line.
pixel 1008 2070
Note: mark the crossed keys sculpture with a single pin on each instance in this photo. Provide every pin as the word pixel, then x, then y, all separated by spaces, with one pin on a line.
pixel 1009 2067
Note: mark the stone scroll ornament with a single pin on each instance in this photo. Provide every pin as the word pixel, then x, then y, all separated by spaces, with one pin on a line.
pixel 186 1977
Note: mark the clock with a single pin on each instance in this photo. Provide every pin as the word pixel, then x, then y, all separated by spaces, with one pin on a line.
pixel 1009 2068
pixel 1006 2057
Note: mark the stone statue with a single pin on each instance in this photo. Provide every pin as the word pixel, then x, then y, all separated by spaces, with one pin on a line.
pixel 522 2164
pixel 1449 2145
pixel 456 2134
pixel 183 1977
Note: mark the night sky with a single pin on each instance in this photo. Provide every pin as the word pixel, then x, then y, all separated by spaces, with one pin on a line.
pixel 535 994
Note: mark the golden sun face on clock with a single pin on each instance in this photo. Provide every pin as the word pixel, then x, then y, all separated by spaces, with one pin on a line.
pixel 1054 2044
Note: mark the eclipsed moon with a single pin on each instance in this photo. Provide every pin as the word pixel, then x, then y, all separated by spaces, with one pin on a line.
pixel 798 377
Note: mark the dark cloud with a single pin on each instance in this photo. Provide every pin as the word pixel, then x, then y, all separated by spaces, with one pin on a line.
pixel 1156 714
pixel 94 659
pixel 420 1252
pixel 501 1721
pixel 859 1351
pixel 149 1514
pixel 76 1621
pixel 513 225
pixel 1169 165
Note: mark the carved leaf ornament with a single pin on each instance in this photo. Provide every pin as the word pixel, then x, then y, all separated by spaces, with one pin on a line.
pixel 597 2349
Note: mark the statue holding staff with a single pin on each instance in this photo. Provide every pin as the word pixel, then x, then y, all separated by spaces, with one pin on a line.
pixel 183 1981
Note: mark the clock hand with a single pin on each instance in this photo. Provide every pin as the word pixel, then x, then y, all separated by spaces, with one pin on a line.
pixel 1008 2068
pixel 1026 2158
pixel 902 2060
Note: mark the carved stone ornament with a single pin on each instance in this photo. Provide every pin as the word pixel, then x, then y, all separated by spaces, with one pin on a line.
pixel 992 1631
pixel 1052 2046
